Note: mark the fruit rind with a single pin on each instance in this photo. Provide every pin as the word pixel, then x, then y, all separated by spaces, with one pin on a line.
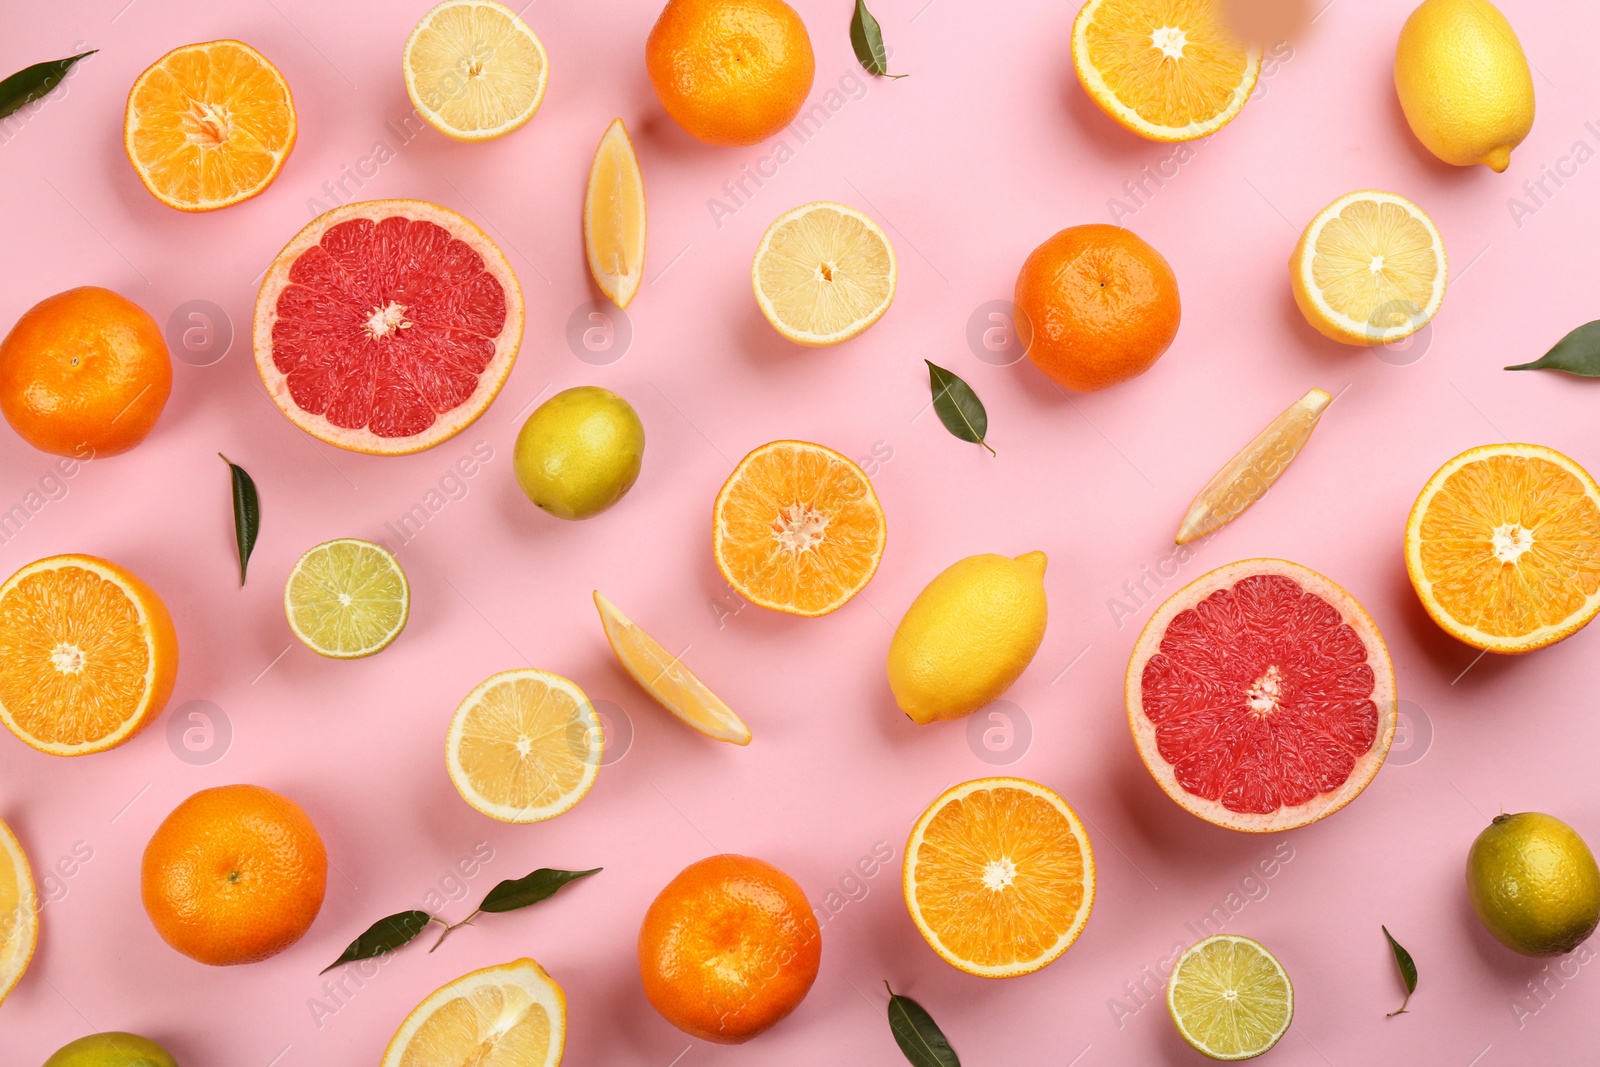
pixel 1336 325
pixel 153 614
pixel 913 846
pixel 1510 883
pixel 28 912
pixel 856 328
pixel 1177 1021
pixel 450 423
pixel 128 127
pixel 1383 696
pixel 717 536
pixel 1511 646
pixel 359 653
pixel 431 116
pixel 729 728
pixel 1129 119
pixel 524 973
pixel 594 733
pixel 623 293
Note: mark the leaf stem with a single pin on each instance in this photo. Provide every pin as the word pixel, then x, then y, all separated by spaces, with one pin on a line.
pixel 450 926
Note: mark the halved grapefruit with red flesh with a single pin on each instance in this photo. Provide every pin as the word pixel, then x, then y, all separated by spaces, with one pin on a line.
pixel 387 326
pixel 1261 696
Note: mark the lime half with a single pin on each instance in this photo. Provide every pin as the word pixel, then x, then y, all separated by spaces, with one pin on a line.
pixel 347 599
pixel 1230 998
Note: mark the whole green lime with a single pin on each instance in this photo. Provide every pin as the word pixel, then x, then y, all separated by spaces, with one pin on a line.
pixel 1534 884
pixel 579 452
pixel 112 1050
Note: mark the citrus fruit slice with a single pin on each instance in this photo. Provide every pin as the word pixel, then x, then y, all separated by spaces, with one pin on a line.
pixel 1503 547
pixel 1169 70
pixel 1246 477
pixel 347 598
pixel 524 746
pixel 1230 998
pixel 614 216
pixel 667 680
pixel 474 69
pixel 1369 270
pixel 823 273
pixel 88 655
pixel 387 326
pixel 209 125
pixel 999 876
pixel 797 528
pixel 513 1015
pixel 19 912
pixel 1261 696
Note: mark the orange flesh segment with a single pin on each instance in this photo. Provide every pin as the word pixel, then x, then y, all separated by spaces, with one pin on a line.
pixel 1172 61
pixel 995 836
pixel 800 528
pixel 1543 524
pixel 74 656
pixel 213 124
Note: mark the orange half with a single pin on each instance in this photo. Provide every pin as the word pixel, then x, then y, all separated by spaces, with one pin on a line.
pixel 797 528
pixel 1503 547
pixel 1169 70
pixel 209 125
pixel 999 876
pixel 88 655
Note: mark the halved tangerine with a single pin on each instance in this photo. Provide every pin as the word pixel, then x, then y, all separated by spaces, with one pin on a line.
pixel 1261 696
pixel 387 326
pixel 797 528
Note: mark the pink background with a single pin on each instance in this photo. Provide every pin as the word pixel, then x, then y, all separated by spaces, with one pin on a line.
pixel 988 148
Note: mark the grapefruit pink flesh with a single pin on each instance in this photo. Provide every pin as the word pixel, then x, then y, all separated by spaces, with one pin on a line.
pixel 1261 696
pixel 387 325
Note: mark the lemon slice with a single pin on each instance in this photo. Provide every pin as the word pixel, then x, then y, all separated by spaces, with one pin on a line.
pixel 999 876
pixel 1230 998
pixel 614 218
pixel 823 273
pixel 19 912
pixel 524 746
pixel 513 1015
pixel 475 71
pixel 1369 270
pixel 665 678
pixel 1168 70
pixel 1249 474
pixel 347 599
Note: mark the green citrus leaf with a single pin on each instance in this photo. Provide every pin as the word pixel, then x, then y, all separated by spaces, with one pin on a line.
pixel 1576 353
pixel 246 513
pixel 958 406
pixel 385 935
pixel 514 893
pixel 31 83
pixel 866 37
pixel 1408 969
pixel 918 1036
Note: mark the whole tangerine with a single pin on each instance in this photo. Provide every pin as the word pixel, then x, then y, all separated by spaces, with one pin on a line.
pixel 1095 305
pixel 729 948
pixel 84 372
pixel 730 72
pixel 234 875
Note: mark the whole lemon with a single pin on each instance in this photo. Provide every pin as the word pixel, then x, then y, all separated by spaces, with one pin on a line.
pixel 579 452
pixel 968 636
pixel 1464 83
pixel 111 1049
pixel 1534 884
